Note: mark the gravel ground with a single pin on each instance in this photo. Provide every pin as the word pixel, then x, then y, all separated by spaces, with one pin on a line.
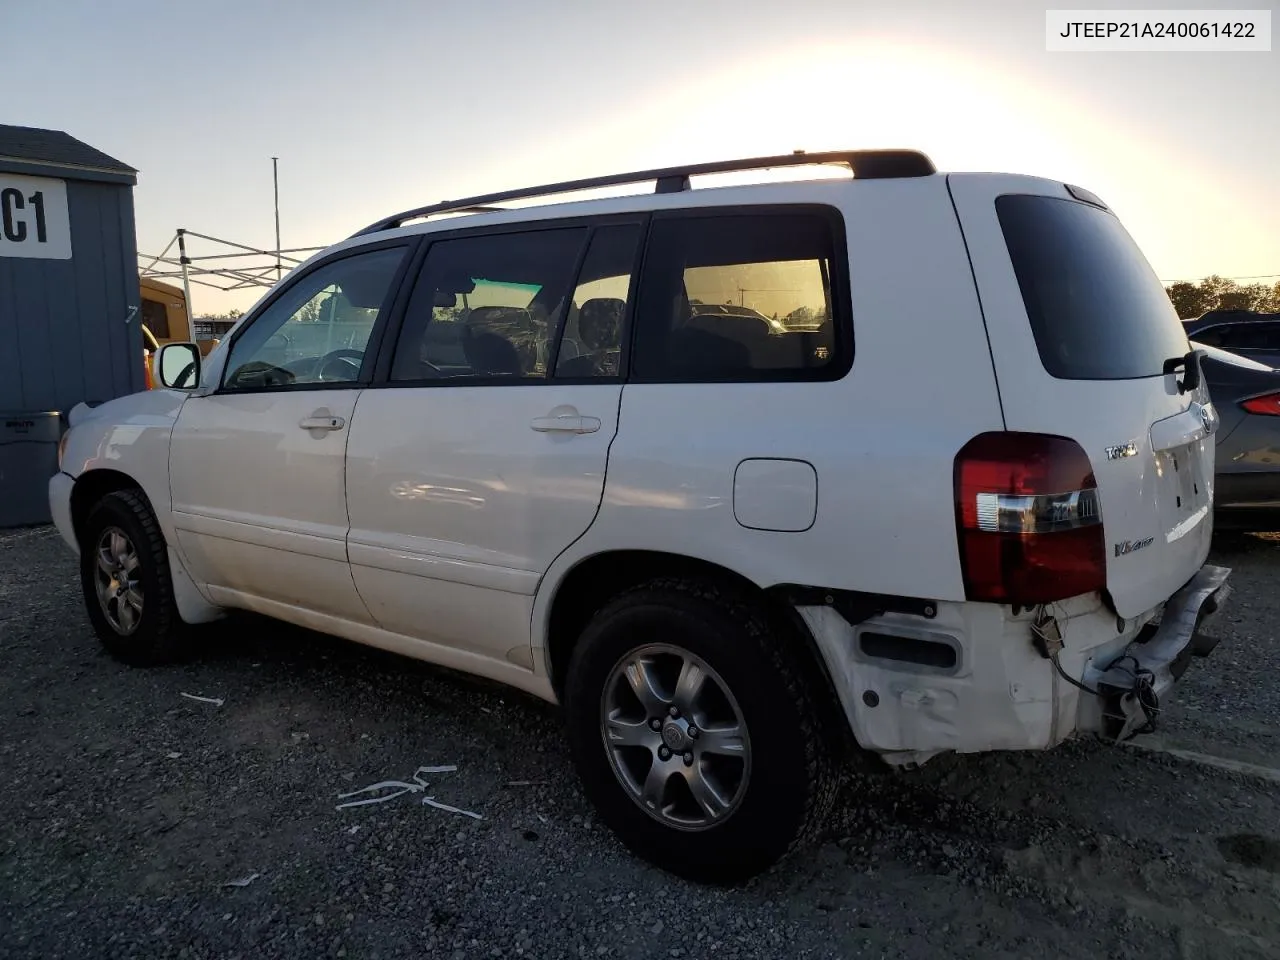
pixel 129 808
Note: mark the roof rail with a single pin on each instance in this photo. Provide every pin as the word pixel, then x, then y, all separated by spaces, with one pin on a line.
pixel 865 165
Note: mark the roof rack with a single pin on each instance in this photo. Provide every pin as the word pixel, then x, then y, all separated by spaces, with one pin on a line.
pixel 865 165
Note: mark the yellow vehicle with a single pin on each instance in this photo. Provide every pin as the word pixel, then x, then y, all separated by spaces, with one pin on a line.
pixel 165 320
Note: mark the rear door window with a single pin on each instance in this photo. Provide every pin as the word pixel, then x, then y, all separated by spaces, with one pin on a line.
pixel 1096 308
pixel 488 307
pixel 742 297
pixel 591 345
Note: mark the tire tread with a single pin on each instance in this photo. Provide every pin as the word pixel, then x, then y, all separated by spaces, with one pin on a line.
pixel 694 595
pixel 163 643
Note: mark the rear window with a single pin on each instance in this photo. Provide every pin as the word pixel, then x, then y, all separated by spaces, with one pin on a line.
pixel 1096 308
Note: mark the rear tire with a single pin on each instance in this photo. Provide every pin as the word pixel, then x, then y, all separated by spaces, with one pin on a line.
pixel 711 809
pixel 127 586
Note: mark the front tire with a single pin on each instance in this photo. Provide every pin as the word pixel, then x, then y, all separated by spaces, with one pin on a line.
pixel 125 578
pixel 694 731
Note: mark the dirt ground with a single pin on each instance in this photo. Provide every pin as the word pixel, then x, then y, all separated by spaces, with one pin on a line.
pixel 128 809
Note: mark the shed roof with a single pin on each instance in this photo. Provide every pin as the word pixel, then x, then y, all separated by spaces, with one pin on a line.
pixel 34 145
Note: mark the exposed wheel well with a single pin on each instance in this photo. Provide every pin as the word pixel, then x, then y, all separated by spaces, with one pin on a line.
pixel 91 487
pixel 598 579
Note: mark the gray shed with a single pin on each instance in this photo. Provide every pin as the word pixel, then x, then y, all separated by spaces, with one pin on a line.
pixel 68 284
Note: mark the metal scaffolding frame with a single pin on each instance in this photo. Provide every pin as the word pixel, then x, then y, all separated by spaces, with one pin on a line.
pixel 256 267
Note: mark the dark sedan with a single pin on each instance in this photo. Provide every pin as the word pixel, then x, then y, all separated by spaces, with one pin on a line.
pixel 1246 395
pixel 1243 332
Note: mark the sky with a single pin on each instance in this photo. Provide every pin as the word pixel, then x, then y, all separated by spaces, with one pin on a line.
pixel 378 106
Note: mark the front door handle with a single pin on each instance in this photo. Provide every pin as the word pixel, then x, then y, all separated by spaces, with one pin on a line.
pixel 322 421
pixel 566 423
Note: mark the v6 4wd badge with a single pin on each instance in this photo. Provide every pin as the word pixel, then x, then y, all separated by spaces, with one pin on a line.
pixel 1131 546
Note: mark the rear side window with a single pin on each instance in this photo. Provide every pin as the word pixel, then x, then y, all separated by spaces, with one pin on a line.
pixel 741 297
pixel 1255 335
pixel 1096 308
pixel 1211 337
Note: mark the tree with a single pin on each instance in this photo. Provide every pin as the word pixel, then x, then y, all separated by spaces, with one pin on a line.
pixel 232 314
pixel 1262 298
pixel 1215 288
pixel 1245 298
pixel 1189 300
pixel 1218 293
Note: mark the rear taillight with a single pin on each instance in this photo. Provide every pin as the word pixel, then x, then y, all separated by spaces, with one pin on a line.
pixel 146 369
pixel 1268 405
pixel 1028 518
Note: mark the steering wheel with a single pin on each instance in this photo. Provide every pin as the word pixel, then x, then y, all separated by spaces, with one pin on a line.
pixel 352 359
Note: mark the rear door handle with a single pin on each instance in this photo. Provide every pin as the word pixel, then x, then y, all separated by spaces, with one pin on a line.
pixel 566 423
pixel 322 422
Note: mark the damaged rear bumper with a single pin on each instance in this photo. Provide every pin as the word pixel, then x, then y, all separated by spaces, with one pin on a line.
pixel 1158 656
pixel 966 677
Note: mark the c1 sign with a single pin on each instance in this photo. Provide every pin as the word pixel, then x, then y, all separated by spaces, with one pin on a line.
pixel 33 218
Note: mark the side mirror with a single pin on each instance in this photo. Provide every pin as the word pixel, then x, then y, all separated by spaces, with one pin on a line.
pixel 177 366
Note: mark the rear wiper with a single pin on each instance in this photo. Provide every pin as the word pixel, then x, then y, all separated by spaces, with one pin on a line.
pixel 1190 365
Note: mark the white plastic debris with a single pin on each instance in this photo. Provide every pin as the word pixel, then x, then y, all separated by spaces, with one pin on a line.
pixel 216 701
pixel 415 785
pixel 432 802
pixel 173 755
pixel 243 881
pixel 400 787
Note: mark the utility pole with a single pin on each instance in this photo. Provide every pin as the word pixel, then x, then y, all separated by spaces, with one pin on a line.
pixel 275 184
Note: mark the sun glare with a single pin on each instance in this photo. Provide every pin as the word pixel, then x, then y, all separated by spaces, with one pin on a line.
pixel 966 114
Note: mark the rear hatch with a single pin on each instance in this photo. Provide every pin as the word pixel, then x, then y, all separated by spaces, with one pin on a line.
pixel 1081 332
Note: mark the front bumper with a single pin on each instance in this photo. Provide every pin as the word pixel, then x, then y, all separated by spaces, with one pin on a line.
pixel 60 485
pixel 1159 655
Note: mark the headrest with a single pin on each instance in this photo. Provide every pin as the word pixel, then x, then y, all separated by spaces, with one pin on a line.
pixel 490 354
pixel 600 322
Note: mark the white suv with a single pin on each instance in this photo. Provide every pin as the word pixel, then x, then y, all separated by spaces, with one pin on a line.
pixel 739 475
